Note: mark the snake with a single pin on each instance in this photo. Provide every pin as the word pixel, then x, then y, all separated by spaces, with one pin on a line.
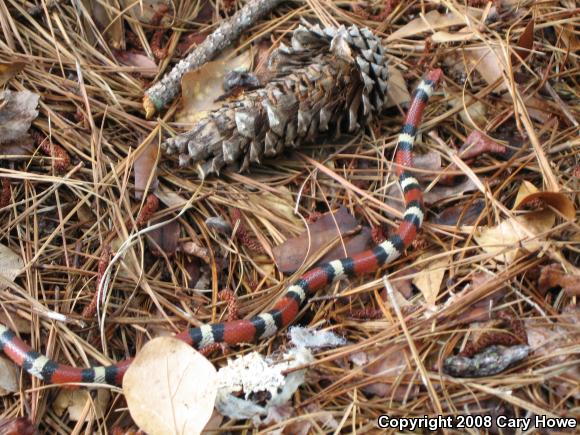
pixel 295 296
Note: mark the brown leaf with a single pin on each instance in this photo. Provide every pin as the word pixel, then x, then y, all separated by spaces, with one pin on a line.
pixel 180 389
pixel 145 168
pixel 23 147
pixel 144 65
pixel 388 365
pixel 17 111
pixel 165 238
pixel 430 161
pixel 9 70
pixel 480 310
pixel 503 240
pixel 553 275
pixel 195 249
pixel 458 215
pixel 291 254
pixel 15 321
pixel 529 194
pixel 524 44
pixel 16 426
pixel 107 21
pixel 440 193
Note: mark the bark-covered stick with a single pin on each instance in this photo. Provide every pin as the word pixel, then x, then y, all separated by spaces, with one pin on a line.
pixel 164 91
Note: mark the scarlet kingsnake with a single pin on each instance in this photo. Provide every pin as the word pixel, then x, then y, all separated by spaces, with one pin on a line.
pixel 286 309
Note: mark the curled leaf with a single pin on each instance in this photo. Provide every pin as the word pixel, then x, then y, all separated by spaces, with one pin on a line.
pixel 529 194
pixel 9 70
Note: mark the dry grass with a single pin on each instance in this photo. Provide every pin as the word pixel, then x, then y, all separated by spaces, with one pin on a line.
pixel 91 106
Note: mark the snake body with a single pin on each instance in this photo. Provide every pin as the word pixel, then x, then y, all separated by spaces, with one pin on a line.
pixel 286 309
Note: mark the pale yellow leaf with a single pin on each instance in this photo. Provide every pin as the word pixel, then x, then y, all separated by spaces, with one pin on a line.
pixel 202 87
pixel 525 189
pixel 76 401
pixel 170 388
pixel 433 20
pixel 443 36
pixel 397 91
pixel 511 232
pixel 488 62
pixel 8 377
pixel 430 277
pixel 11 264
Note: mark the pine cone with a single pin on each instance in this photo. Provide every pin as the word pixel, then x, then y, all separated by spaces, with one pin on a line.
pixel 329 81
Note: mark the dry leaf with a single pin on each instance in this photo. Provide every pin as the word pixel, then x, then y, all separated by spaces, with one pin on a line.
pixel 145 168
pixel 9 70
pixel 524 44
pixel 180 390
pixel 538 108
pixel 281 204
pixel 75 402
pixel 17 111
pixel 144 10
pixel 107 22
pixel 488 63
pixel 202 87
pixel 553 275
pixel 17 426
pixel 461 214
pixel 397 91
pixel 476 113
pixel 291 254
pixel 388 365
pixel 440 193
pixel 144 65
pixel 8 377
pixel 513 231
pixel 214 423
pixel 434 20
pixel 461 35
pixel 529 193
pixel 430 161
pixel 11 264
pixel 165 238
pixel 170 198
pixel 429 279
pixel 14 321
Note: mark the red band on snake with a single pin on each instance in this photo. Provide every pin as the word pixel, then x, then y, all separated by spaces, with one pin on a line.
pixel 286 309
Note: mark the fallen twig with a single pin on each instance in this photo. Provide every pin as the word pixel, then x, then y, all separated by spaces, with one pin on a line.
pixel 164 91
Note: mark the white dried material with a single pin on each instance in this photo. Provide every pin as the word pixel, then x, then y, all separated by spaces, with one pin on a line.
pixel 312 338
pixel 252 373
